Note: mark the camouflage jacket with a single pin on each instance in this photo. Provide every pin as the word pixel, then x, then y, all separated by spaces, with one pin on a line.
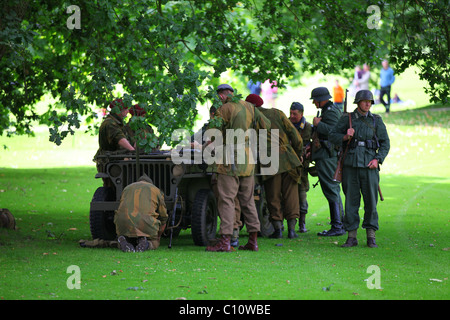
pixel 290 142
pixel 142 210
pixel 238 115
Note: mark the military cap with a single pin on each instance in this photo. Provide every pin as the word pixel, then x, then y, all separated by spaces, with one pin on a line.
pixel 224 87
pixel 364 95
pixel 255 99
pixel 320 94
pixel 297 106
pixel 137 111
pixel 117 103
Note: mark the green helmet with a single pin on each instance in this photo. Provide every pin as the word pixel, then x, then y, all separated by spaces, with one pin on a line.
pixel 364 95
pixel 320 94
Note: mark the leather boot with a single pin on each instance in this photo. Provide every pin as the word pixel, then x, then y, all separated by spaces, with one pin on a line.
pixel 351 240
pixel 277 234
pixel 337 228
pixel 252 243
pixel 223 245
pixel 291 228
pixel 302 223
pixel 371 238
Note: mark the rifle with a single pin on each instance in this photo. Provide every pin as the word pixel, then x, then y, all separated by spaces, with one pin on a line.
pixel 340 165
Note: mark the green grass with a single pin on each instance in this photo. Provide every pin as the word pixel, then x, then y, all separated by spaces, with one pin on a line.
pixel 49 188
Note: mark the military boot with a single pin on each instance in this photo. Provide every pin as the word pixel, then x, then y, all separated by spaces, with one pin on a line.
pixel 124 245
pixel 252 243
pixel 371 238
pixel 302 223
pixel 277 234
pixel 337 228
pixel 142 245
pixel 351 240
pixel 291 228
pixel 223 245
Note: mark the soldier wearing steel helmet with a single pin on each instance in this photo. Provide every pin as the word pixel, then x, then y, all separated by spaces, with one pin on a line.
pixel 324 153
pixel 369 146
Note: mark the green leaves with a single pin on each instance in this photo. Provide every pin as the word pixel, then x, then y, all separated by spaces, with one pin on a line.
pixel 165 54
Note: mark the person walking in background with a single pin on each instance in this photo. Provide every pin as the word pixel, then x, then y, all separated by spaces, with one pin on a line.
pixel 338 95
pixel 387 78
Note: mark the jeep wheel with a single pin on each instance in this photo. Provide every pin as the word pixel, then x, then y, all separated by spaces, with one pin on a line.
pixel 204 217
pixel 102 222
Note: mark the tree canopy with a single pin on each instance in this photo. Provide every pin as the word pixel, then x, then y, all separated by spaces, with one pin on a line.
pixel 167 56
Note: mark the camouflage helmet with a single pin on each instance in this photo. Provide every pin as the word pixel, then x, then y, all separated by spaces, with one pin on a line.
pixel 320 94
pixel 364 95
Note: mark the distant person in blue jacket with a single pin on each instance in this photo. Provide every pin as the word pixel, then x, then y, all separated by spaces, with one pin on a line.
pixel 387 78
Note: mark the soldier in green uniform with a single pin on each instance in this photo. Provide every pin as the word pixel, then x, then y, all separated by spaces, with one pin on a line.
pixel 236 178
pixel 369 146
pixel 112 136
pixel 282 188
pixel 324 153
pixel 305 130
pixel 141 216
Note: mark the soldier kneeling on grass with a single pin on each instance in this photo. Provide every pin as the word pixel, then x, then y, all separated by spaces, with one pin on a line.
pixel 141 217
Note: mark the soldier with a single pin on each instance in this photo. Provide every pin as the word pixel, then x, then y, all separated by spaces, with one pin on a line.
pixel 236 179
pixel 324 154
pixel 369 146
pixel 141 216
pixel 282 188
pixel 305 130
pixel 112 136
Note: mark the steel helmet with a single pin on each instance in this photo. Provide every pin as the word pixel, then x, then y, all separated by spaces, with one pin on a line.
pixel 320 94
pixel 364 95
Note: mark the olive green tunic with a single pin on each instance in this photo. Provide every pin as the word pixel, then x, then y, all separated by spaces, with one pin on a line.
pixel 110 133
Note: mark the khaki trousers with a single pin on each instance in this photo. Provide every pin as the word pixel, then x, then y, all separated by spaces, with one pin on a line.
pixel 229 188
pixel 282 189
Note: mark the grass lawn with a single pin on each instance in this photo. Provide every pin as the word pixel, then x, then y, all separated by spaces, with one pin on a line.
pixel 49 188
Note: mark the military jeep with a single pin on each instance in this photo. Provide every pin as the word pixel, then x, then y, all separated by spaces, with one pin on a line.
pixel 188 195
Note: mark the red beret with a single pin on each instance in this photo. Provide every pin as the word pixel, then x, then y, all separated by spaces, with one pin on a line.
pixel 117 103
pixel 137 111
pixel 255 99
